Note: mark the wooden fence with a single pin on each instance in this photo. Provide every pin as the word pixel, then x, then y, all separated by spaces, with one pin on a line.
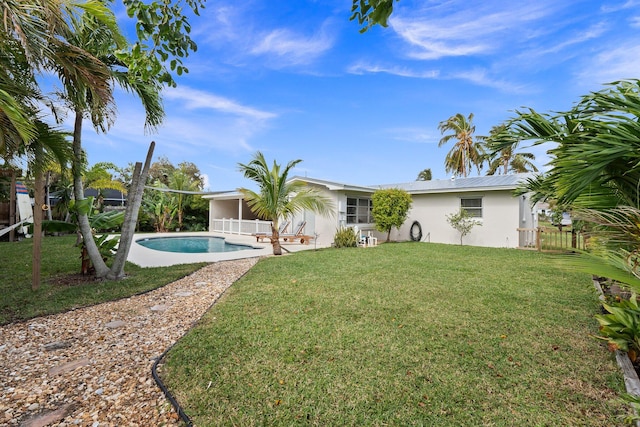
pixel 546 239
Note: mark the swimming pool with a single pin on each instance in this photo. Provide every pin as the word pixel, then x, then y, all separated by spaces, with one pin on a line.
pixel 191 244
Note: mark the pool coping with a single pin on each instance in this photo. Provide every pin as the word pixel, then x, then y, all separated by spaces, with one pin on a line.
pixel 145 257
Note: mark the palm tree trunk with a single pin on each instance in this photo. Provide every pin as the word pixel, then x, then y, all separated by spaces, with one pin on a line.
pixel 275 239
pixel 83 220
pixel 37 228
pixel 134 200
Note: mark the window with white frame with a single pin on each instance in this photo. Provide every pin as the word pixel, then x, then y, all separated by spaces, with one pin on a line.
pixel 472 205
pixel 359 210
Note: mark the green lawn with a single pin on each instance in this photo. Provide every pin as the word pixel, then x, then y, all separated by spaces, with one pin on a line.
pixel 60 258
pixel 401 334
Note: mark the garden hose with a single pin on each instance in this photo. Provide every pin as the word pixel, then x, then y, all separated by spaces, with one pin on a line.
pixel 415 232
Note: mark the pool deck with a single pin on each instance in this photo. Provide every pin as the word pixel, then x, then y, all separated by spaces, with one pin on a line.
pixel 145 257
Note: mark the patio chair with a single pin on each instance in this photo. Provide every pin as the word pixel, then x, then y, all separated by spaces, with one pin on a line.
pixel 297 234
pixel 360 238
pixel 282 229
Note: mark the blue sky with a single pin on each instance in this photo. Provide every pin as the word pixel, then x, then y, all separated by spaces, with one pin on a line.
pixel 296 80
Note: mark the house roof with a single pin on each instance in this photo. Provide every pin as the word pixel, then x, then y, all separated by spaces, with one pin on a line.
pixel 456 185
pixel 333 185
pixel 453 185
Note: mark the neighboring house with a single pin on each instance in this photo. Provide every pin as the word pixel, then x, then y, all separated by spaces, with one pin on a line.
pixel 110 197
pixel 490 199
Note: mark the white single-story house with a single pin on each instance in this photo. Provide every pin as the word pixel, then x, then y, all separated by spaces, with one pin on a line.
pixel 489 199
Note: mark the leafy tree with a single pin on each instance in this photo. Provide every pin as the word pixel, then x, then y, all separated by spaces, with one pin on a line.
pixel 466 152
pixel 424 175
pixel 463 222
pixel 196 214
pixel 162 207
pixel 161 170
pixel 183 183
pixel 100 178
pixel 279 197
pixel 390 209
pixel 163 37
pixel 506 159
pixel 371 12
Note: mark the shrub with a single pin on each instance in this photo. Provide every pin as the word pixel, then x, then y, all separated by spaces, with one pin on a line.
pixel 345 238
pixel 620 328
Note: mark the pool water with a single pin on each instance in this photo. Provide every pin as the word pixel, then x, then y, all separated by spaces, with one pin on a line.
pixel 191 245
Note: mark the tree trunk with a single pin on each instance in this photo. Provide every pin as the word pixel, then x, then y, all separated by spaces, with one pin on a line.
pixel 37 230
pixel 134 200
pixel 388 236
pixel 275 239
pixel 83 220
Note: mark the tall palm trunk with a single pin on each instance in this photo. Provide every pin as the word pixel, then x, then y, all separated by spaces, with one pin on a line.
pixel 83 220
pixel 134 200
pixel 37 228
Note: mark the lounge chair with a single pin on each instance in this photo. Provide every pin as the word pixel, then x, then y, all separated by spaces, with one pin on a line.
pixel 297 234
pixel 282 229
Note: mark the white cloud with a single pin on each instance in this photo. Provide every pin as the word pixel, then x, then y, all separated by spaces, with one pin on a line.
pixel 481 77
pixel 413 135
pixel 286 47
pixel 237 35
pixel 455 30
pixel 593 32
pixel 476 76
pixel 363 68
pixel 620 62
pixel 197 99
pixel 615 7
pixel 198 125
pixel 634 21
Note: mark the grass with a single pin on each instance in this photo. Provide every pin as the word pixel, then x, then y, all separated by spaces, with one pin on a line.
pixel 60 259
pixel 402 334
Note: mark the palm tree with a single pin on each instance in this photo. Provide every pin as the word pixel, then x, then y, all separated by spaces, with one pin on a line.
pixel 424 175
pixel 506 159
pixel 595 169
pixel 465 153
pixel 278 197
pixel 33 37
pixel 101 41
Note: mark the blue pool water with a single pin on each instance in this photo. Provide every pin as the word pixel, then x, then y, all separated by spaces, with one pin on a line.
pixel 191 245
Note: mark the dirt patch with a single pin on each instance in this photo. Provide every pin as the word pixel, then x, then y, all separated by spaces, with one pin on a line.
pixel 71 280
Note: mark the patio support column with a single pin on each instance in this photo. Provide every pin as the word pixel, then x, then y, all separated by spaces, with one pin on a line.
pixel 239 214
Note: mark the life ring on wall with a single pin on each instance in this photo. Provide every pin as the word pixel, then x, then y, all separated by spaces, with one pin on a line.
pixel 415 232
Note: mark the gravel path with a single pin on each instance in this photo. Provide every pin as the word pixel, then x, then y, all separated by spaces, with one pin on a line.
pixel 92 366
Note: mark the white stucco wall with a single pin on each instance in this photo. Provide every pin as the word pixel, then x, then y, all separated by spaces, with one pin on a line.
pixel 500 219
pixel 324 226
